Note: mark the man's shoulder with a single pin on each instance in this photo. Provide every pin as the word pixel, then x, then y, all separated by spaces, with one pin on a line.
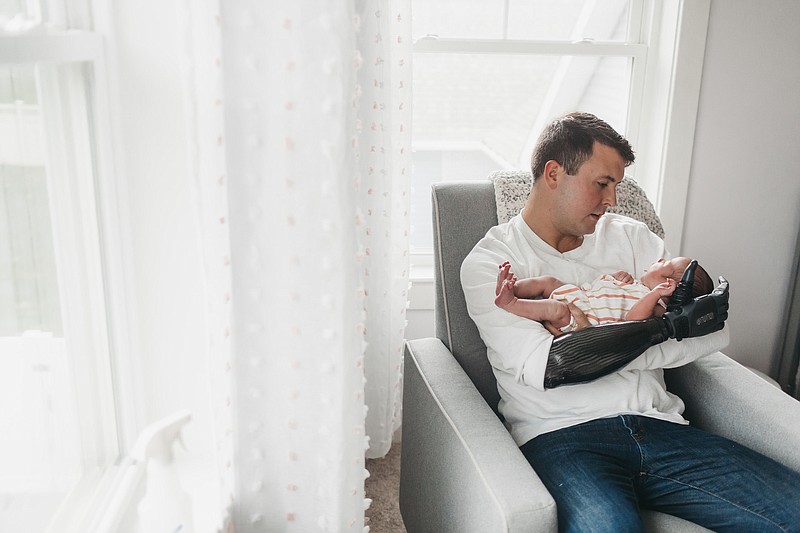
pixel 497 245
pixel 612 224
pixel 625 233
pixel 498 236
pixel 617 221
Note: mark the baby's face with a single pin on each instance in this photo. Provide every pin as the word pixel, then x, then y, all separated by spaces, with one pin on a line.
pixel 661 270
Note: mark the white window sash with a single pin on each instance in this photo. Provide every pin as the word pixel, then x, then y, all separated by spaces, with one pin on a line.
pixel 87 211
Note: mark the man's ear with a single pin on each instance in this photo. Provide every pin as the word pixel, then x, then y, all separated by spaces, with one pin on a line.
pixel 552 173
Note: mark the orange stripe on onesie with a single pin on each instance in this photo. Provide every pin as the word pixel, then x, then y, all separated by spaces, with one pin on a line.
pixel 604 300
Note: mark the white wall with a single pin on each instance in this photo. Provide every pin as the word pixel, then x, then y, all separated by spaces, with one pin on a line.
pixel 743 210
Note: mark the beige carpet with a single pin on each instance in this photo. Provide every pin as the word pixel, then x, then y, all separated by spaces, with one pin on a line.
pixel 383 487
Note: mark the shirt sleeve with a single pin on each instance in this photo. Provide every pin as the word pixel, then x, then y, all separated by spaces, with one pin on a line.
pixel 672 353
pixel 515 345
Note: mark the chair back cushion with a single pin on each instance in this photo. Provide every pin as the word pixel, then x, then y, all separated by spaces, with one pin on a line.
pixel 462 214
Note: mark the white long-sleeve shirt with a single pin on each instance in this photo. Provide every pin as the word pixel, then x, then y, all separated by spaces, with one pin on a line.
pixel 518 348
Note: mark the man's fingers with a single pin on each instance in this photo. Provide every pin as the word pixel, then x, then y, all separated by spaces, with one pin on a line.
pixel 554 331
pixel 579 316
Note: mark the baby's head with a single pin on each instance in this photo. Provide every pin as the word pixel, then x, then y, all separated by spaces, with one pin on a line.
pixel 661 270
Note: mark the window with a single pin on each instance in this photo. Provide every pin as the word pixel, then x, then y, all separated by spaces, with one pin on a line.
pixel 57 387
pixel 489 75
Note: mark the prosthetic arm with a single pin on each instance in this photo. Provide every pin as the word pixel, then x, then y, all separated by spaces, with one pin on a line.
pixel 590 353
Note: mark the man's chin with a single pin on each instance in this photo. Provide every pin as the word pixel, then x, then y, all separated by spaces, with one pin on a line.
pixel 592 224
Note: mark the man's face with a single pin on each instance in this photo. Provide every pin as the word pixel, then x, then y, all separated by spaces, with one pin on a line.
pixel 584 197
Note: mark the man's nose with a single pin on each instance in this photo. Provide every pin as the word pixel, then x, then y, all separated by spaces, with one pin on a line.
pixel 610 197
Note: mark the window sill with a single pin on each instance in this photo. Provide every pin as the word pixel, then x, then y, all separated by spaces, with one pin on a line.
pixel 107 500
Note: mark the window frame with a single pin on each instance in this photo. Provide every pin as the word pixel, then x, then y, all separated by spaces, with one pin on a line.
pixel 666 42
pixel 90 213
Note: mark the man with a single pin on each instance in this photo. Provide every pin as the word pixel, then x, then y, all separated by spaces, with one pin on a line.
pixel 589 409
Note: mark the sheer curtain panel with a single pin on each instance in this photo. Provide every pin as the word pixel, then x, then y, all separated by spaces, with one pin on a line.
pixel 383 174
pixel 317 147
pixel 200 42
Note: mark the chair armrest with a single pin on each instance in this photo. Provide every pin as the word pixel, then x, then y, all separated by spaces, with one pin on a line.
pixel 725 398
pixel 460 469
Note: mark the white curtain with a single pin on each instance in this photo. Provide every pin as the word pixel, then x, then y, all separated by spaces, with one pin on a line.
pixel 200 48
pixel 384 171
pixel 315 166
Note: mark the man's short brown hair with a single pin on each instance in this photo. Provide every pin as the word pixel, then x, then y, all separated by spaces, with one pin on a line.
pixel 570 141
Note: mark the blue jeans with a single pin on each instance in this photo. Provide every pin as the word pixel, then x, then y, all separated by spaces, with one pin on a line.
pixel 602 472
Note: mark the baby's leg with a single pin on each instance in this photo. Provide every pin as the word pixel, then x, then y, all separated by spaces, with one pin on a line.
pixel 536 287
pixel 540 310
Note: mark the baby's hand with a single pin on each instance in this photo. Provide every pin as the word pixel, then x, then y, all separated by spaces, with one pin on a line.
pixel 622 276
pixel 666 288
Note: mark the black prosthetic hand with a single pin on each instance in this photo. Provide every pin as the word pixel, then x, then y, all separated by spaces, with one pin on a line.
pixel 594 352
pixel 701 316
pixel 591 353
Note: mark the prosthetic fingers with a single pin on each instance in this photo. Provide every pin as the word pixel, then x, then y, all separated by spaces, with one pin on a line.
pixel 594 352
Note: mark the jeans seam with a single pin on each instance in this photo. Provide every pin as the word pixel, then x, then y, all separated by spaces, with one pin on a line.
pixel 638 447
pixel 717 496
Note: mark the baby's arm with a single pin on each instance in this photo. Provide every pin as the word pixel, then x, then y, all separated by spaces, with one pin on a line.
pixel 648 306
pixel 552 311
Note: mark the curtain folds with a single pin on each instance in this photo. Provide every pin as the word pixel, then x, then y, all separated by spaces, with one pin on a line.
pixel 201 74
pixel 308 307
pixel 383 184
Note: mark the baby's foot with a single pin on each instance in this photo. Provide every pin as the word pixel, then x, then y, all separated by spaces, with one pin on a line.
pixel 503 275
pixel 505 296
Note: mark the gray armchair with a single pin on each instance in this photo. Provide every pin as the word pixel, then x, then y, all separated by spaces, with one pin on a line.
pixel 460 469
